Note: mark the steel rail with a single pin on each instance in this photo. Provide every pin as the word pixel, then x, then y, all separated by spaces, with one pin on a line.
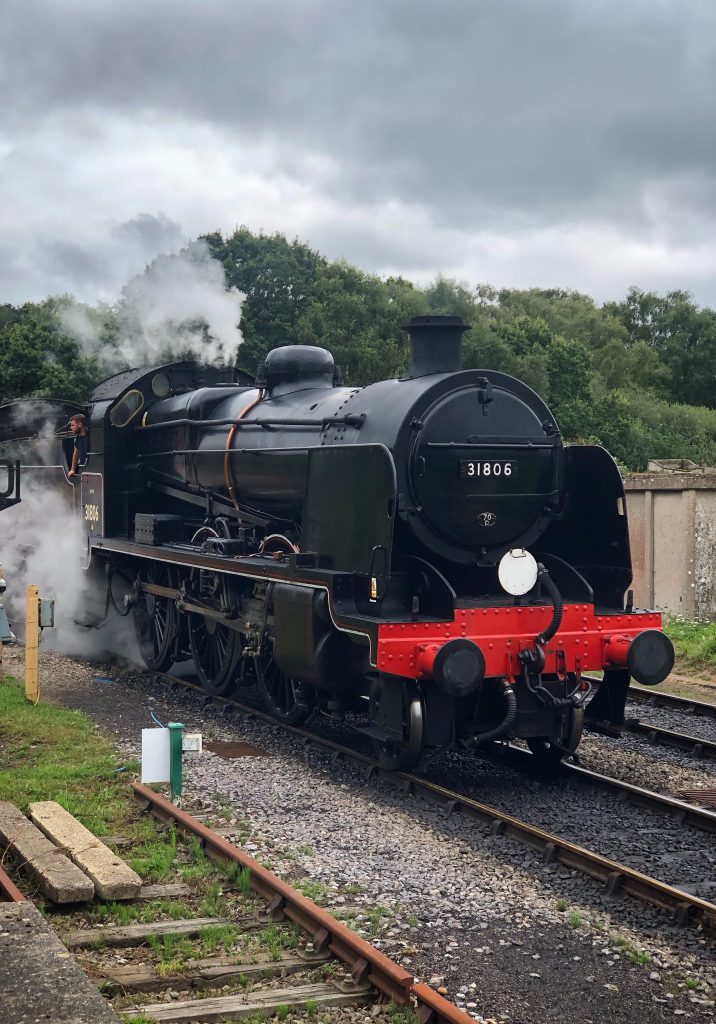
pixel 672 700
pixel 655 734
pixel 617 877
pixel 627 792
pixel 658 698
pixel 9 892
pixel 686 813
pixel 328 934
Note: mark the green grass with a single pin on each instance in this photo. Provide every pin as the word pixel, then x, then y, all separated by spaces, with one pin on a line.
pixel 172 952
pixel 242 877
pixel 694 642
pixel 575 918
pixel 631 952
pixel 562 905
pixel 401 1015
pixel 316 891
pixel 274 939
pixel 218 937
pixel 376 916
pixel 48 753
pixel 155 859
pixel 638 956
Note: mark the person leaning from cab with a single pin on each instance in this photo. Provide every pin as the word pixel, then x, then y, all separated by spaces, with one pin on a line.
pixel 78 426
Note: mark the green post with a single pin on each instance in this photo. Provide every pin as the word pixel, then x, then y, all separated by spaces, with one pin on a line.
pixel 176 736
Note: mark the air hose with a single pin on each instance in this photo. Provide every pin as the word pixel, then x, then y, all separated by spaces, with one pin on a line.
pixel 534 658
pixel 576 697
pixel 557 605
pixel 507 722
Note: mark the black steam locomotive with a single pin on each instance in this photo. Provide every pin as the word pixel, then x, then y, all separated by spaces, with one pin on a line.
pixel 422 555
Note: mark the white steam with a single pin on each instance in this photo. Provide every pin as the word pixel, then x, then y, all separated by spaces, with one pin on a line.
pixel 179 307
pixel 43 544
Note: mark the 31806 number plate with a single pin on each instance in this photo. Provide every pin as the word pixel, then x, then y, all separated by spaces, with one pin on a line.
pixel 469 469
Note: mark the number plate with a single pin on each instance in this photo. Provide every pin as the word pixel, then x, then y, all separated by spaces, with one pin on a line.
pixel 481 469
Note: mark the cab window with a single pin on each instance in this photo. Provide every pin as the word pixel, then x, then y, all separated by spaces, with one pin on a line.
pixel 126 408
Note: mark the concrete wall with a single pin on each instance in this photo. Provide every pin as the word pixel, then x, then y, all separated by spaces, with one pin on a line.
pixel 672 528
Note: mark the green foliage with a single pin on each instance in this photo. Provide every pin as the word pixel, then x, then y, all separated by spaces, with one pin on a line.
pixel 401 1014
pixel 636 375
pixel 683 336
pixel 218 937
pixel 693 641
pixel 38 358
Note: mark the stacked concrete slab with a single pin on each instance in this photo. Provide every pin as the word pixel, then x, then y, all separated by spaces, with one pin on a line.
pixel 65 860
pixel 112 878
pixel 54 874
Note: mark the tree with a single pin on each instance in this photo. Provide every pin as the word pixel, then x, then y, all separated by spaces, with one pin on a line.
pixel 279 279
pixel 39 360
pixel 683 336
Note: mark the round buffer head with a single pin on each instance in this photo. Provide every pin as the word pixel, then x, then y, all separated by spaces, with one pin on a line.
pixel 517 571
pixel 650 658
pixel 459 667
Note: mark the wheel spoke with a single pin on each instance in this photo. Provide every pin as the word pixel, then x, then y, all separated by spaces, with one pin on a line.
pixel 155 619
pixel 281 692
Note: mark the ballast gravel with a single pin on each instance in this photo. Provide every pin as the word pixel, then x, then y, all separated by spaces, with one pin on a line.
pixel 507 937
pixel 677 719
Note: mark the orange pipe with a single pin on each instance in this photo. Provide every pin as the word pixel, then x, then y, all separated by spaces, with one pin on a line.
pixel 229 441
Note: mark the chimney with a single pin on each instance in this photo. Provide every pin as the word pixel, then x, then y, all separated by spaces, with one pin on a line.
pixel 435 344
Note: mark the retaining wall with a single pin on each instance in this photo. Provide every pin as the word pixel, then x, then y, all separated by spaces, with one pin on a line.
pixel 672 528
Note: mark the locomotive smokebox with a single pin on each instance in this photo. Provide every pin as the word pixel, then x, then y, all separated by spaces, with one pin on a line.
pixel 435 344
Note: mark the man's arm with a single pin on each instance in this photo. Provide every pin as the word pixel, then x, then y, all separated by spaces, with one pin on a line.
pixel 75 460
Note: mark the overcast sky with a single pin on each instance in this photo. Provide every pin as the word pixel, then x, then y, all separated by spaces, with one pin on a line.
pixel 565 143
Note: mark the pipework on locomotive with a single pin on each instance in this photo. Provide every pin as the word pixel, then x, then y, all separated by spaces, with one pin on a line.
pixel 422 557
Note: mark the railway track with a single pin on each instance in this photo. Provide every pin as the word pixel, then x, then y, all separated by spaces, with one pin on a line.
pixel 618 878
pixel 281 953
pixel 659 735
pixel 642 695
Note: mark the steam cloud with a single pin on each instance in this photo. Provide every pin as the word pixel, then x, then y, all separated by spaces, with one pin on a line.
pixel 179 307
pixel 44 545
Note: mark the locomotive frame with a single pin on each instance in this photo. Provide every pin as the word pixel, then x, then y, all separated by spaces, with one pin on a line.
pixel 339 547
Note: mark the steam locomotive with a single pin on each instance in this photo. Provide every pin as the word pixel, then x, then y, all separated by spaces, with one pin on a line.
pixel 423 558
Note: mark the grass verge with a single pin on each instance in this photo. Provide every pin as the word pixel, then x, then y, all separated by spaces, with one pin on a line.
pixel 49 753
pixel 694 642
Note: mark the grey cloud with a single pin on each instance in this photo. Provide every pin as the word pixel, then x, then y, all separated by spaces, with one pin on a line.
pixel 482 124
pixel 152 234
pixel 476 110
pixel 95 265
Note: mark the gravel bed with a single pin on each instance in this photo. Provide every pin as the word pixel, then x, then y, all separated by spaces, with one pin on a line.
pixel 635 836
pixel 666 770
pixel 508 937
pixel 688 722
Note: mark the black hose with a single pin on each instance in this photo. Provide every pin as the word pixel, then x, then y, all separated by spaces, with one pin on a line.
pixel 507 722
pixel 548 699
pixel 556 599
